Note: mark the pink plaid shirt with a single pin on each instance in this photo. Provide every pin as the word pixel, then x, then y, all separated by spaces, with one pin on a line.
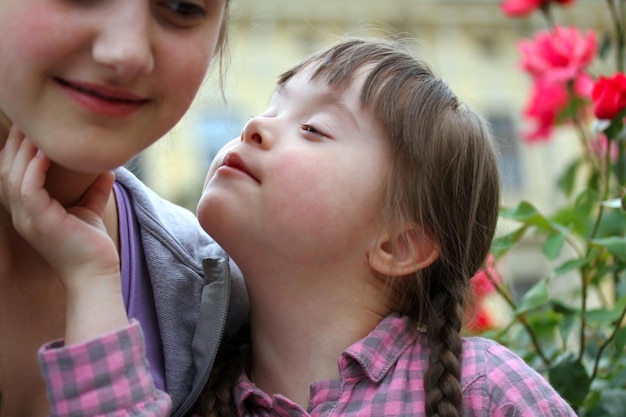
pixel 381 375
pixel 108 376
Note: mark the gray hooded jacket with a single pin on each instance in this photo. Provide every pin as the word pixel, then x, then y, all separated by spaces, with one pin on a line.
pixel 199 293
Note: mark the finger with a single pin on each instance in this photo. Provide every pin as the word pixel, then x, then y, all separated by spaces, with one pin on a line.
pixel 11 145
pixel 7 154
pixel 23 156
pixel 32 189
pixel 98 193
pixel 32 209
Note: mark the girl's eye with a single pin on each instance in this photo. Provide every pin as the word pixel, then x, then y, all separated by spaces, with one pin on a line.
pixel 312 131
pixel 185 10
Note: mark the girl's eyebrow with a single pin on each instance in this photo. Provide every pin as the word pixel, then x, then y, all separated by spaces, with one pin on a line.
pixel 328 98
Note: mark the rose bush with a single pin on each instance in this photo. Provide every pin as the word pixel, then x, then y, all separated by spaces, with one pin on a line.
pixel 577 337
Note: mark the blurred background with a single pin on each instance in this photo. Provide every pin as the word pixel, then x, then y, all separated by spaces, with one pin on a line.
pixel 469 43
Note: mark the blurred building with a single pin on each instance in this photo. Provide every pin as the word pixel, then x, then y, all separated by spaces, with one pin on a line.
pixel 469 43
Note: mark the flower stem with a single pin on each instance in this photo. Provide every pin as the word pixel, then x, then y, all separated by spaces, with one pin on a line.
pixel 547 14
pixel 617 16
pixel 585 272
pixel 616 328
pixel 506 295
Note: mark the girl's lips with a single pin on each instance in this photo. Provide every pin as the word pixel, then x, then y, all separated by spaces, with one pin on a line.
pixel 234 161
pixel 103 100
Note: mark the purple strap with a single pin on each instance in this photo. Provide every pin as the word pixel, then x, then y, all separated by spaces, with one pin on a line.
pixel 136 287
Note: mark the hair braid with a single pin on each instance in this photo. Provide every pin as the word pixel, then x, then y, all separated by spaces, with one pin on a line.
pixel 442 378
pixel 232 357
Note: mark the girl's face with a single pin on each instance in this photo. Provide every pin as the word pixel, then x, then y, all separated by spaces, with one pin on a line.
pixel 305 181
pixel 93 83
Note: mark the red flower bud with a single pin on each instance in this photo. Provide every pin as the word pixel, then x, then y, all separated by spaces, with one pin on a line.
pixel 609 96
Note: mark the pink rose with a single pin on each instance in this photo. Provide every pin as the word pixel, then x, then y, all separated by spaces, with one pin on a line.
pixel 609 96
pixel 558 55
pixel 547 101
pixel 520 8
pixel 483 283
pixel 583 86
pixel 478 317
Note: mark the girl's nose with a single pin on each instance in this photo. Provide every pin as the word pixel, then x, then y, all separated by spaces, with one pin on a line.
pixel 257 131
pixel 124 43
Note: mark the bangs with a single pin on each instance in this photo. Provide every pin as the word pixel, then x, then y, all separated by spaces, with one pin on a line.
pixel 338 66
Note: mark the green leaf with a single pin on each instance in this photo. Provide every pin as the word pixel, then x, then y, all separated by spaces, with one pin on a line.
pixel 568 179
pixel 544 324
pixel 566 326
pixel 553 245
pixel 569 317
pixel 607 316
pixel 601 316
pixel 526 213
pixel 620 340
pixel 614 244
pixel 560 307
pixel 612 404
pixel 502 244
pixel 569 377
pixel 536 296
pixel 621 288
pixel 592 403
pixel 618 380
pixel 616 126
pixel 586 200
pixel 570 265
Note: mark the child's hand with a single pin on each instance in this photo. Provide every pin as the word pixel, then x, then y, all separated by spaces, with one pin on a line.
pixel 73 241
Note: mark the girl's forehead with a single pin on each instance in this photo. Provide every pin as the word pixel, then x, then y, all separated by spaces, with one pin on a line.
pixel 322 77
pixel 305 89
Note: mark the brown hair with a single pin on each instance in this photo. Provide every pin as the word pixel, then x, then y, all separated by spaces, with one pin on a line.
pixel 443 177
pixel 221 48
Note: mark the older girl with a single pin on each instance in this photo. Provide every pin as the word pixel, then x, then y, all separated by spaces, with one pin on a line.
pixel 92 84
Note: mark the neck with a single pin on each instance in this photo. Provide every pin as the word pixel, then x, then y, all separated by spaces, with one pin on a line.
pixel 299 331
pixel 67 186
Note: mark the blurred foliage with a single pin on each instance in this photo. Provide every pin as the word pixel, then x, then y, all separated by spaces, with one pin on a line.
pixel 577 338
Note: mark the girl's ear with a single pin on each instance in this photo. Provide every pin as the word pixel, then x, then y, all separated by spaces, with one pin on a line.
pixel 404 253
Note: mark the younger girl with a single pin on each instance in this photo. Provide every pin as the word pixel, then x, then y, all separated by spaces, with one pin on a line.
pixel 358 206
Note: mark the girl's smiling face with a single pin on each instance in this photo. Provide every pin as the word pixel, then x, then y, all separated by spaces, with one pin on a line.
pixel 94 83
